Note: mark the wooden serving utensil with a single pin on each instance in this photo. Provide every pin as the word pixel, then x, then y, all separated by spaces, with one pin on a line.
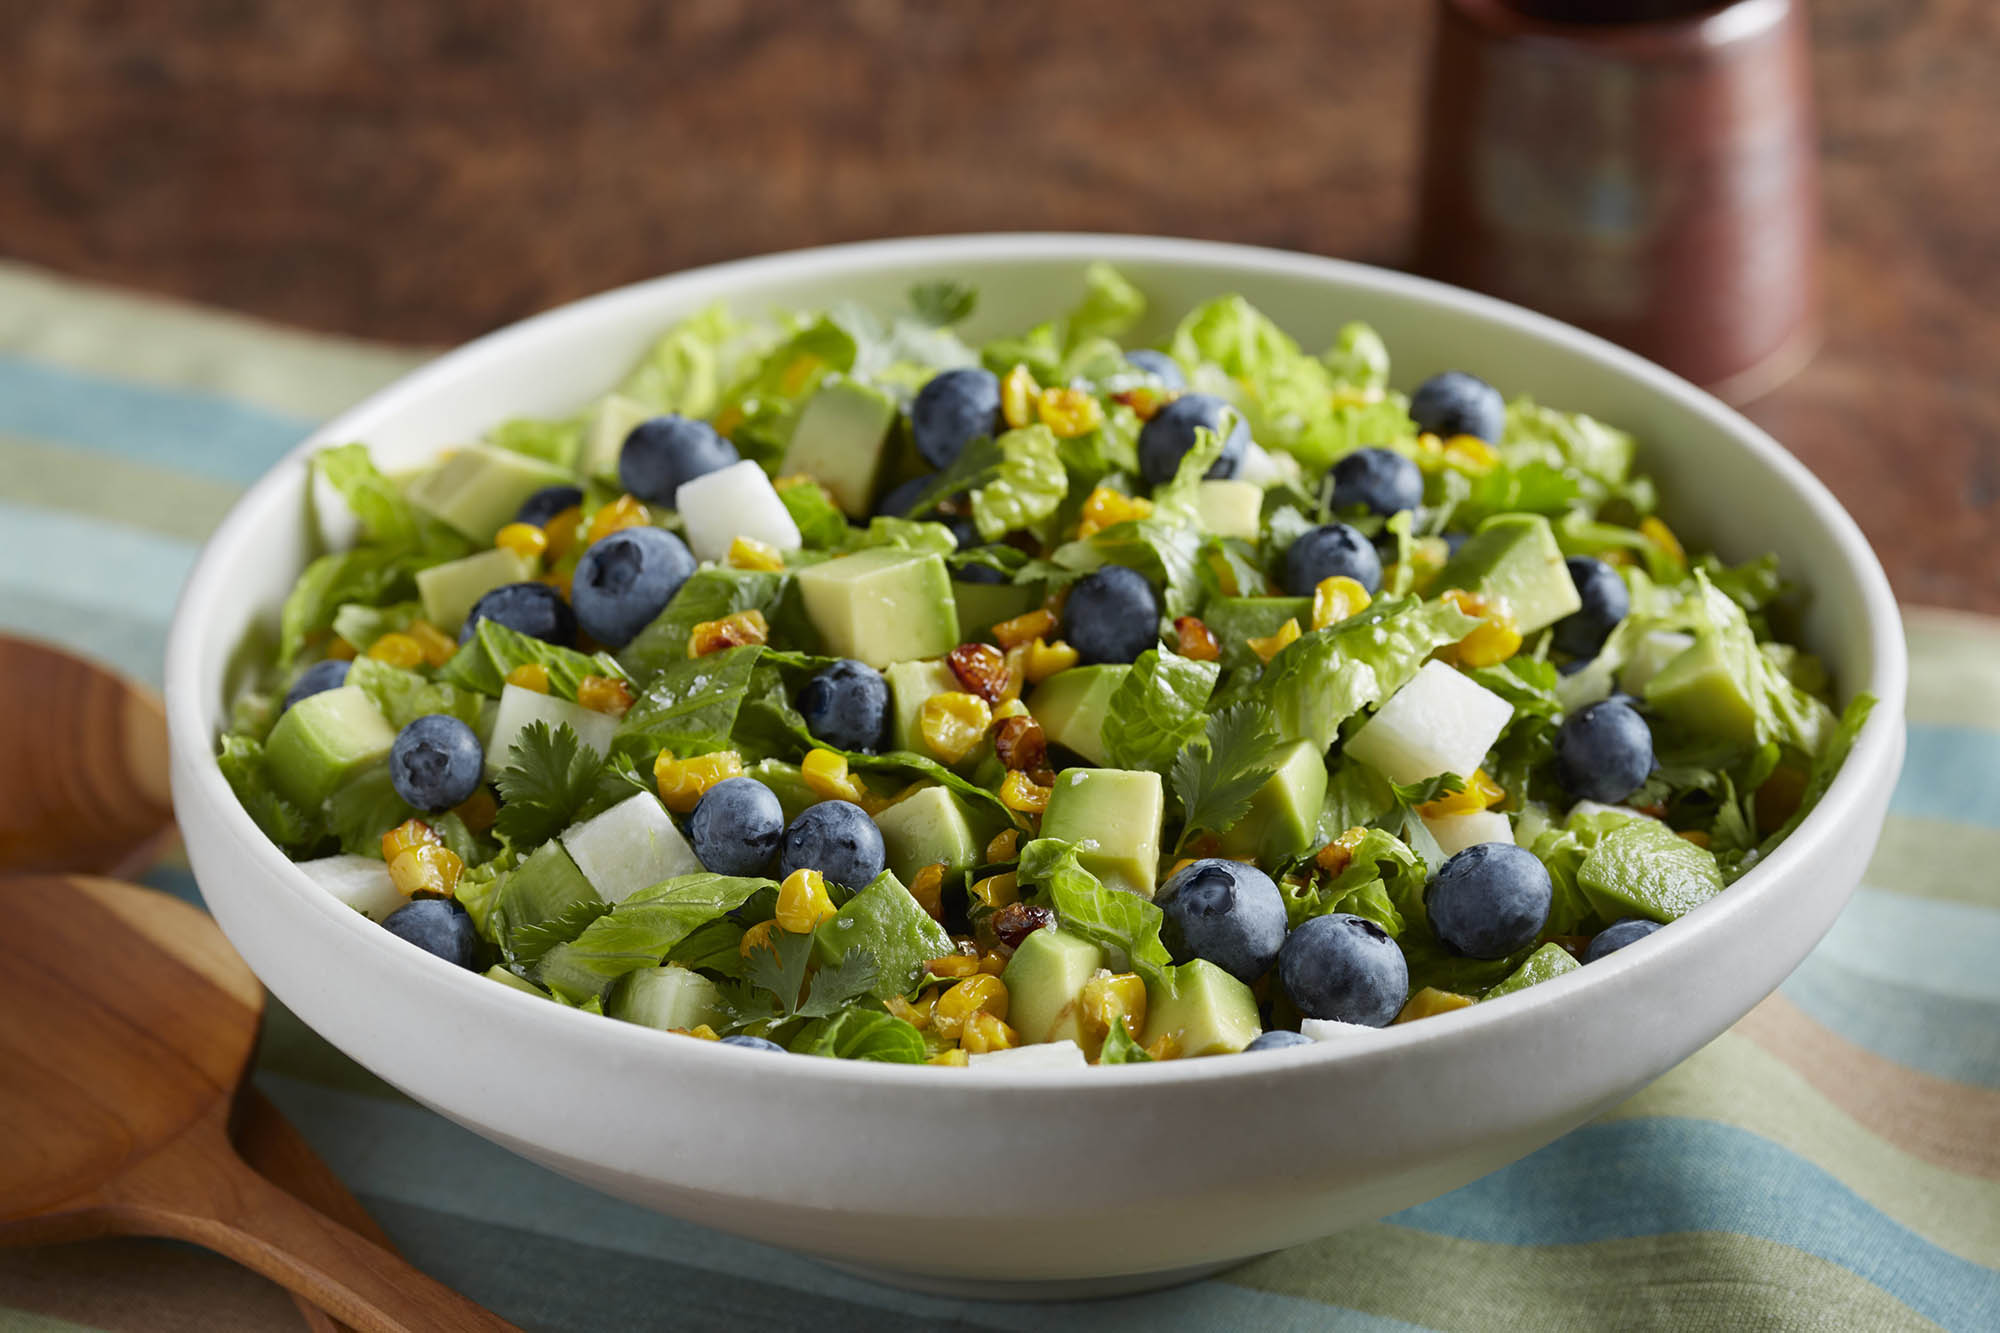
pixel 126 1027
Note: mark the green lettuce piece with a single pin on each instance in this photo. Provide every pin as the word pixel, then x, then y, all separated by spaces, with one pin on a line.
pixel 1121 1049
pixel 1028 487
pixel 243 764
pixel 1825 767
pixel 1642 868
pixel 404 695
pixel 943 302
pixel 1280 388
pixel 1123 924
pixel 1358 358
pixel 689 706
pixel 476 890
pixel 386 517
pixel 1040 349
pixel 886 921
pixel 1174 499
pixel 1356 796
pixel 1544 964
pixel 821 524
pixel 862 1034
pixel 686 369
pixel 907 534
pixel 640 931
pixel 1384 882
pixel 766 400
pixel 1109 308
pixel 1166 553
pixel 361 625
pixel 554 442
pixel 1567 440
pixel 482 662
pixel 365 574
pixel 708 594
pixel 1329 675
pixel 1157 709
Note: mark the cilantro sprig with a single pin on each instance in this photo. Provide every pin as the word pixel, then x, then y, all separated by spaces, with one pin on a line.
pixel 1215 776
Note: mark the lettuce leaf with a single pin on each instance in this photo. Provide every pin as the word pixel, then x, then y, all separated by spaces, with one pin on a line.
pixel 290 826
pixel 1329 675
pixel 1124 925
pixel 1384 882
pixel 821 524
pixel 386 517
pixel 708 594
pixel 1027 487
pixel 1109 308
pixel 1567 440
pixel 862 1034
pixel 689 706
pixel 483 661
pixel 361 625
pixel 1358 358
pixel 686 369
pixel 404 696
pixel 364 574
pixel 1157 709
pixel 551 441
pixel 1121 1049
pixel 1165 552
pixel 640 931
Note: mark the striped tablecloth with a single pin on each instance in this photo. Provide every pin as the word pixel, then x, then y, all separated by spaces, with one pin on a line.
pixel 1832 1162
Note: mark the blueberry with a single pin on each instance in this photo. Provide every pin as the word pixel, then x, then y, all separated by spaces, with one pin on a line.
pixel 751 1043
pixel 1165 440
pixel 436 925
pixel 533 609
pixel 1277 1040
pixel 1381 481
pixel 1330 549
pixel 963 530
pixel 951 411
pixel 974 571
pixel 1345 968
pixel 1111 615
pixel 1604 752
pixel 736 827
pixel 847 706
pixel 1454 540
pixel 626 579
pixel 1456 403
pixel 328 675
pixel 1489 900
pixel 836 838
pixel 436 762
pixel 896 501
pixel 1605 602
pixel 545 504
pixel 1159 365
pixel 662 453
pixel 1617 935
pixel 1228 913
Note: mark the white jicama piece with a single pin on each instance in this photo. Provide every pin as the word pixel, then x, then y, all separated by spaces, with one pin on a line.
pixel 362 882
pixel 736 501
pixel 1332 1029
pixel 519 707
pixel 1455 833
pixel 1064 1054
pixel 632 846
pixel 1441 722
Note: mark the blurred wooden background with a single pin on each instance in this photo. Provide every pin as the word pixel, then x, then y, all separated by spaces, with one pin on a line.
pixel 424 171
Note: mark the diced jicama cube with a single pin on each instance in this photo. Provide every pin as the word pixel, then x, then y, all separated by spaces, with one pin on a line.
pixel 1441 722
pixel 736 501
pixel 632 846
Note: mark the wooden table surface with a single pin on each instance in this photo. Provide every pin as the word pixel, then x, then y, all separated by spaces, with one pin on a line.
pixel 423 172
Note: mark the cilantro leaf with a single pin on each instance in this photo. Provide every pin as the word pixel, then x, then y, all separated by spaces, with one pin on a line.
pixel 838 985
pixel 1215 777
pixel 943 302
pixel 549 778
pixel 780 967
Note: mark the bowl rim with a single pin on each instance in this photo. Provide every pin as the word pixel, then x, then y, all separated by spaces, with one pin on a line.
pixel 1872 759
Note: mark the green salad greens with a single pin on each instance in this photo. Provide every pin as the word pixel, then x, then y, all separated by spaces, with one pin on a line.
pixel 837 686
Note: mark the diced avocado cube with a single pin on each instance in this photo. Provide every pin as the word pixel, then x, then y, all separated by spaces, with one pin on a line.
pixel 892 926
pixel 1203 1009
pixel 478 488
pixel 928 827
pixel 840 441
pixel 1071 706
pixel 787 782
pixel 362 882
pixel 1551 960
pixel 910 683
pixel 545 885
pixel 632 846
pixel 731 502
pixel 499 973
pixel 1430 1002
pixel 1440 722
pixel 519 707
pixel 604 432
pixel 1113 815
pixel 1044 980
pixel 1650 656
pixel 1283 818
pixel 882 605
pixel 1230 508
pixel 1455 833
pixel 322 740
pixel 981 606
pixel 1698 691
pixel 449 590
pixel 1513 559
pixel 666 998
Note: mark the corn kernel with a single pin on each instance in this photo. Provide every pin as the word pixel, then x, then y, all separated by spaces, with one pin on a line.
pixel 523 539
pixel 728 419
pixel 1696 836
pixel 997 891
pixel 915 1016
pixel 803 902
pixel 1430 1002
pixel 1480 793
pixel 1020 792
pixel 1179 866
pixel 1225 575
pixel 558 579
pixel 398 650
pixel 983 1032
pixel 1496 639
pixel 1104 507
pixel 953 1058
pixel 624 512
pixel 604 694
pixel 340 650
pixel 437 647
pixel 1336 598
pixel 953 965
pixel 562 532
pixel 1468 603
pixel 477 810
pixel 1430 445
pixel 757 937
pixel 700 1031
pixel 826 776
pixel 977 994
pixel 1662 536
pixel 927 887
pixel 1166 1046
pixel 1045 659
pixel 1197 640
pixel 1069 412
pixel 530 676
pixel 411 833
pixel 1022 628
pixel 1145 401
pixel 953 724
pixel 1018 392
pixel 1006 845
pixel 732 631
pixel 994 961
pixel 749 553
pixel 801 374
pixel 1108 999
pixel 682 781
pixel 1338 854
pixel 1471 453
pixel 420 865
pixel 1007 708
pixel 1271 645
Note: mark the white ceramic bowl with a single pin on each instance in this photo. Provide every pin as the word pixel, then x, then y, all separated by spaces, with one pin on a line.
pixel 1045 1183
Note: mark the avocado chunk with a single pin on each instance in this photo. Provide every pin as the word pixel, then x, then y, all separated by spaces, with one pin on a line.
pixel 324 739
pixel 1203 1009
pixel 1513 559
pixel 1071 705
pixel 499 973
pixel 1044 979
pixel 891 925
pixel 1113 816
pixel 450 589
pixel 882 605
pixel 667 998
pixel 1551 960
pixel 604 432
pixel 981 606
pixel 1283 819
pixel 1697 690
pixel 910 683
pixel 545 885
pixel 1230 508
pixel 787 782
pixel 519 707
pixel 928 827
pixel 840 441
pixel 478 488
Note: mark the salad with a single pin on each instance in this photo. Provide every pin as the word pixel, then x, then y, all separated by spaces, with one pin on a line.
pixel 834 686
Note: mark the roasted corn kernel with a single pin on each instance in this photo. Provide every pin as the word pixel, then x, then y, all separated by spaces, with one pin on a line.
pixel 1271 645
pixel 1166 1046
pixel 1335 598
pixel 1069 412
pixel 983 1032
pixel 757 937
pixel 477 810
pixel 1429 1002
pixel 438 648
pixel 826 776
pixel 420 865
pixel 1020 792
pixel 977 994
pixel 803 902
pixel 953 1058
pixel 1018 392
pixel 604 694
pixel 749 553
pixel 1471 453
pixel 1104 507
pixel 682 781
pixel 1196 639
pixel 800 374
pixel 340 650
pixel 397 649
pixel 1696 836
pixel 731 631
pixel 523 539
pixel 997 891
pixel 1480 793
pixel 562 533
pixel 952 724
pixel 916 1016
pixel 953 965
pixel 1109 998
pixel 1045 659
pixel 927 887
pixel 624 512
pixel 1145 401
pixel 1024 627
pixel 1657 532
pixel 530 676
pixel 1336 855
pixel 1005 846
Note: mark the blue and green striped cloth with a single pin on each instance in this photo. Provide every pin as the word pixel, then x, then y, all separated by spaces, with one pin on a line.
pixel 1833 1161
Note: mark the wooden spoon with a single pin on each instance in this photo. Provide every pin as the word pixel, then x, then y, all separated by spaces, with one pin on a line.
pixel 126 1025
